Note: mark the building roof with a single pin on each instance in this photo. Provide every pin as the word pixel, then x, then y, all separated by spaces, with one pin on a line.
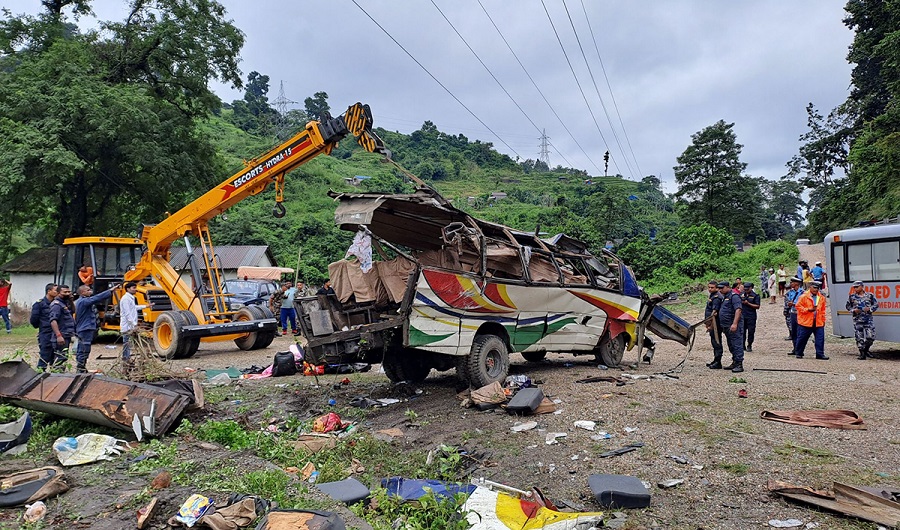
pixel 43 260
pixel 230 256
pixel 35 260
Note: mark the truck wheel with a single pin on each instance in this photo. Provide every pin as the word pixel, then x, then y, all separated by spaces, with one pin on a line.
pixel 247 341
pixel 167 336
pixel 534 356
pixel 191 345
pixel 611 351
pixel 488 360
pixel 404 365
pixel 263 338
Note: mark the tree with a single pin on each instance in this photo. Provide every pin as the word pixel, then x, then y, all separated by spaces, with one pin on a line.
pixel 101 134
pixel 825 149
pixel 709 177
pixel 253 113
pixel 317 106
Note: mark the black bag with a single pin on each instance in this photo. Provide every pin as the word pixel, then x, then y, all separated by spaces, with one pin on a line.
pixel 35 319
pixel 284 364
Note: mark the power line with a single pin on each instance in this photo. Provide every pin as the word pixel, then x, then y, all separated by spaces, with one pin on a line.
pixel 538 88
pixel 609 86
pixel 572 69
pixel 386 32
pixel 597 90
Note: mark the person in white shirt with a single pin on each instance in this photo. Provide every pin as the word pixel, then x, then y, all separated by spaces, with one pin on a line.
pixel 128 318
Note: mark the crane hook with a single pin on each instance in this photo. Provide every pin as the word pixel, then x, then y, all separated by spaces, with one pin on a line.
pixel 278 211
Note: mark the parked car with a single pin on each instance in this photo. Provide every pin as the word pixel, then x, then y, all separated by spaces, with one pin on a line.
pixel 248 292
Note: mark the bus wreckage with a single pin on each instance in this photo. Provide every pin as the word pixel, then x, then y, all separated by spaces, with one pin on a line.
pixel 429 286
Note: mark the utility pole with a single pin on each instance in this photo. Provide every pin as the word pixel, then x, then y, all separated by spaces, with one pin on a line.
pixel 606 164
pixel 281 105
pixel 545 148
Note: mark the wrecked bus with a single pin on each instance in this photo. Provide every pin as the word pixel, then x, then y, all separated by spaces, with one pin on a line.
pixel 429 286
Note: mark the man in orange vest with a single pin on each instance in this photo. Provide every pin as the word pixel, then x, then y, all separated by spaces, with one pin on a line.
pixel 811 321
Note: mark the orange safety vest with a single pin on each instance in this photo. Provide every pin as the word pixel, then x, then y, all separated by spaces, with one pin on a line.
pixel 810 315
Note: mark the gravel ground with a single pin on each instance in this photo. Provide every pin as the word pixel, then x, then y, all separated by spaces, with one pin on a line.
pixel 697 416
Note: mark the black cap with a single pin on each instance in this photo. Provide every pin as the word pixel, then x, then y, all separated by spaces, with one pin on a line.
pixel 816 284
pixel 748 285
pixel 723 284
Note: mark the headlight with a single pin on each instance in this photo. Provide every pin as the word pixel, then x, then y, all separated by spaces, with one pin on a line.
pixel 236 305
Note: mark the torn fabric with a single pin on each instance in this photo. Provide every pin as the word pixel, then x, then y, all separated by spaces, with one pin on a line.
pixel 831 419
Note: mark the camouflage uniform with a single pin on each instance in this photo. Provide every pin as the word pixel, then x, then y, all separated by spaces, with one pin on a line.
pixel 863 323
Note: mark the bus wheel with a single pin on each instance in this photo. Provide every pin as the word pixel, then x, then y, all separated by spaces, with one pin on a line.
pixel 611 351
pixel 167 335
pixel 488 361
pixel 534 356
pixel 245 342
pixel 404 365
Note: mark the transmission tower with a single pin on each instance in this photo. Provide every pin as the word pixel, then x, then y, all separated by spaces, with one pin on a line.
pixel 282 126
pixel 545 148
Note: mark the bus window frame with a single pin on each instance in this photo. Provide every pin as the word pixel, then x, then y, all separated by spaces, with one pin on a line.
pixel 843 249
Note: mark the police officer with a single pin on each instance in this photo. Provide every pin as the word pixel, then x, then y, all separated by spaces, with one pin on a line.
pixel 790 311
pixel 861 305
pixel 732 326
pixel 750 303
pixel 40 318
pixel 713 303
pixel 86 322
pixel 62 322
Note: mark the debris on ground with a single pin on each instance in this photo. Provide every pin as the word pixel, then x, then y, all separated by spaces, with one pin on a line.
pixel 520 427
pixel 585 424
pixel 831 419
pixel 670 483
pixel 14 436
pixel 32 485
pixel 87 448
pixel 619 491
pixel 349 491
pixel 147 512
pixel 876 504
pixel 786 523
pixel 192 510
pixel 622 450
pixel 35 512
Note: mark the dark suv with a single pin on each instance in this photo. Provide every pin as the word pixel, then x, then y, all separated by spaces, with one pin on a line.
pixel 249 292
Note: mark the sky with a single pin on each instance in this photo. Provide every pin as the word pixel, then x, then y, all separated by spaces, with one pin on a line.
pixel 674 67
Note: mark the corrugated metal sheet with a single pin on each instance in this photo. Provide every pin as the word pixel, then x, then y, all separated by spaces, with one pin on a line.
pixel 230 256
pixel 36 260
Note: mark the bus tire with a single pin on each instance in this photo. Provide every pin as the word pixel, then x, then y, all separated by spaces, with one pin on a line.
pixel 168 338
pixel 611 351
pixel 488 361
pixel 404 365
pixel 534 356
pixel 245 342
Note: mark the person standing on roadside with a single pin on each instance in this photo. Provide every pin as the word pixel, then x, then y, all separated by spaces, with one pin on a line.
pixel 86 322
pixel 772 283
pixel 62 322
pixel 128 318
pixel 861 305
pixel 782 280
pixel 790 311
pixel 764 282
pixel 732 326
pixel 5 287
pixel 288 313
pixel 713 303
pixel 276 301
pixel 750 302
pixel 40 319
pixel 811 321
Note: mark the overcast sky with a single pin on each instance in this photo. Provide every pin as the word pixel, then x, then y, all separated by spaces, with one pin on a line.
pixel 674 66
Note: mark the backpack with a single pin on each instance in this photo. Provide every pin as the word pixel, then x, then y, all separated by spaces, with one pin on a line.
pixel 35 319
pixel 284 364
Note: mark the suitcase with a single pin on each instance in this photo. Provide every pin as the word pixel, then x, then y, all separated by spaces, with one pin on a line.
pixel 348 491
pixel 619 491
pixel 526 400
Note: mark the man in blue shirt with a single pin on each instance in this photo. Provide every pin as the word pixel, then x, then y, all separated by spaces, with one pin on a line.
pixel 86 322
pixel 63 325
pixel 732 326
pixel 750 303
pixel 713 303
pixel 40 318
pixel 790 311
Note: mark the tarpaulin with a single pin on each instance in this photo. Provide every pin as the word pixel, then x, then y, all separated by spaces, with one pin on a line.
pixel 411 489
pixel 832 419
pixel 491 510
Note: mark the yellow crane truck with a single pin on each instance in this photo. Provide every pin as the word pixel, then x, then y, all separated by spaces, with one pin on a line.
pixel 185 314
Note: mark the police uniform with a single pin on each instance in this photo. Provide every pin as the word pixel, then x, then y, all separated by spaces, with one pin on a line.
pixel 40 312
pixel 731 303
pixel 65 322
pixel 861 307
pixel 749 315
pixel 790 312
pixel 713 303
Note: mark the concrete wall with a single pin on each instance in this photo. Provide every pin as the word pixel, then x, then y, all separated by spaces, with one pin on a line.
pixel 27 288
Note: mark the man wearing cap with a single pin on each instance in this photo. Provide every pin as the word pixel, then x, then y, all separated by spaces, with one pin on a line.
pixel 811 321
pixel 713 303
pixel 732 326
pixel 790 311
pixel 861 305
pixel 750 301
pixel 818 274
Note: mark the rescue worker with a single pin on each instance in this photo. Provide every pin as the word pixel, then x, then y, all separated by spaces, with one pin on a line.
pixel 86 322
pixel 713 303
pixel 790 311
pixel 861 305
pixel 40 318
pixel 811 321
pixel 62 322
pixel 750 301
pixel 732 325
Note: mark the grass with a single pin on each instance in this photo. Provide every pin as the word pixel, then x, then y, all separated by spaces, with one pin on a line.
pixel 807 455
pixel 427 513
pixel 735 468
pixel 677 418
